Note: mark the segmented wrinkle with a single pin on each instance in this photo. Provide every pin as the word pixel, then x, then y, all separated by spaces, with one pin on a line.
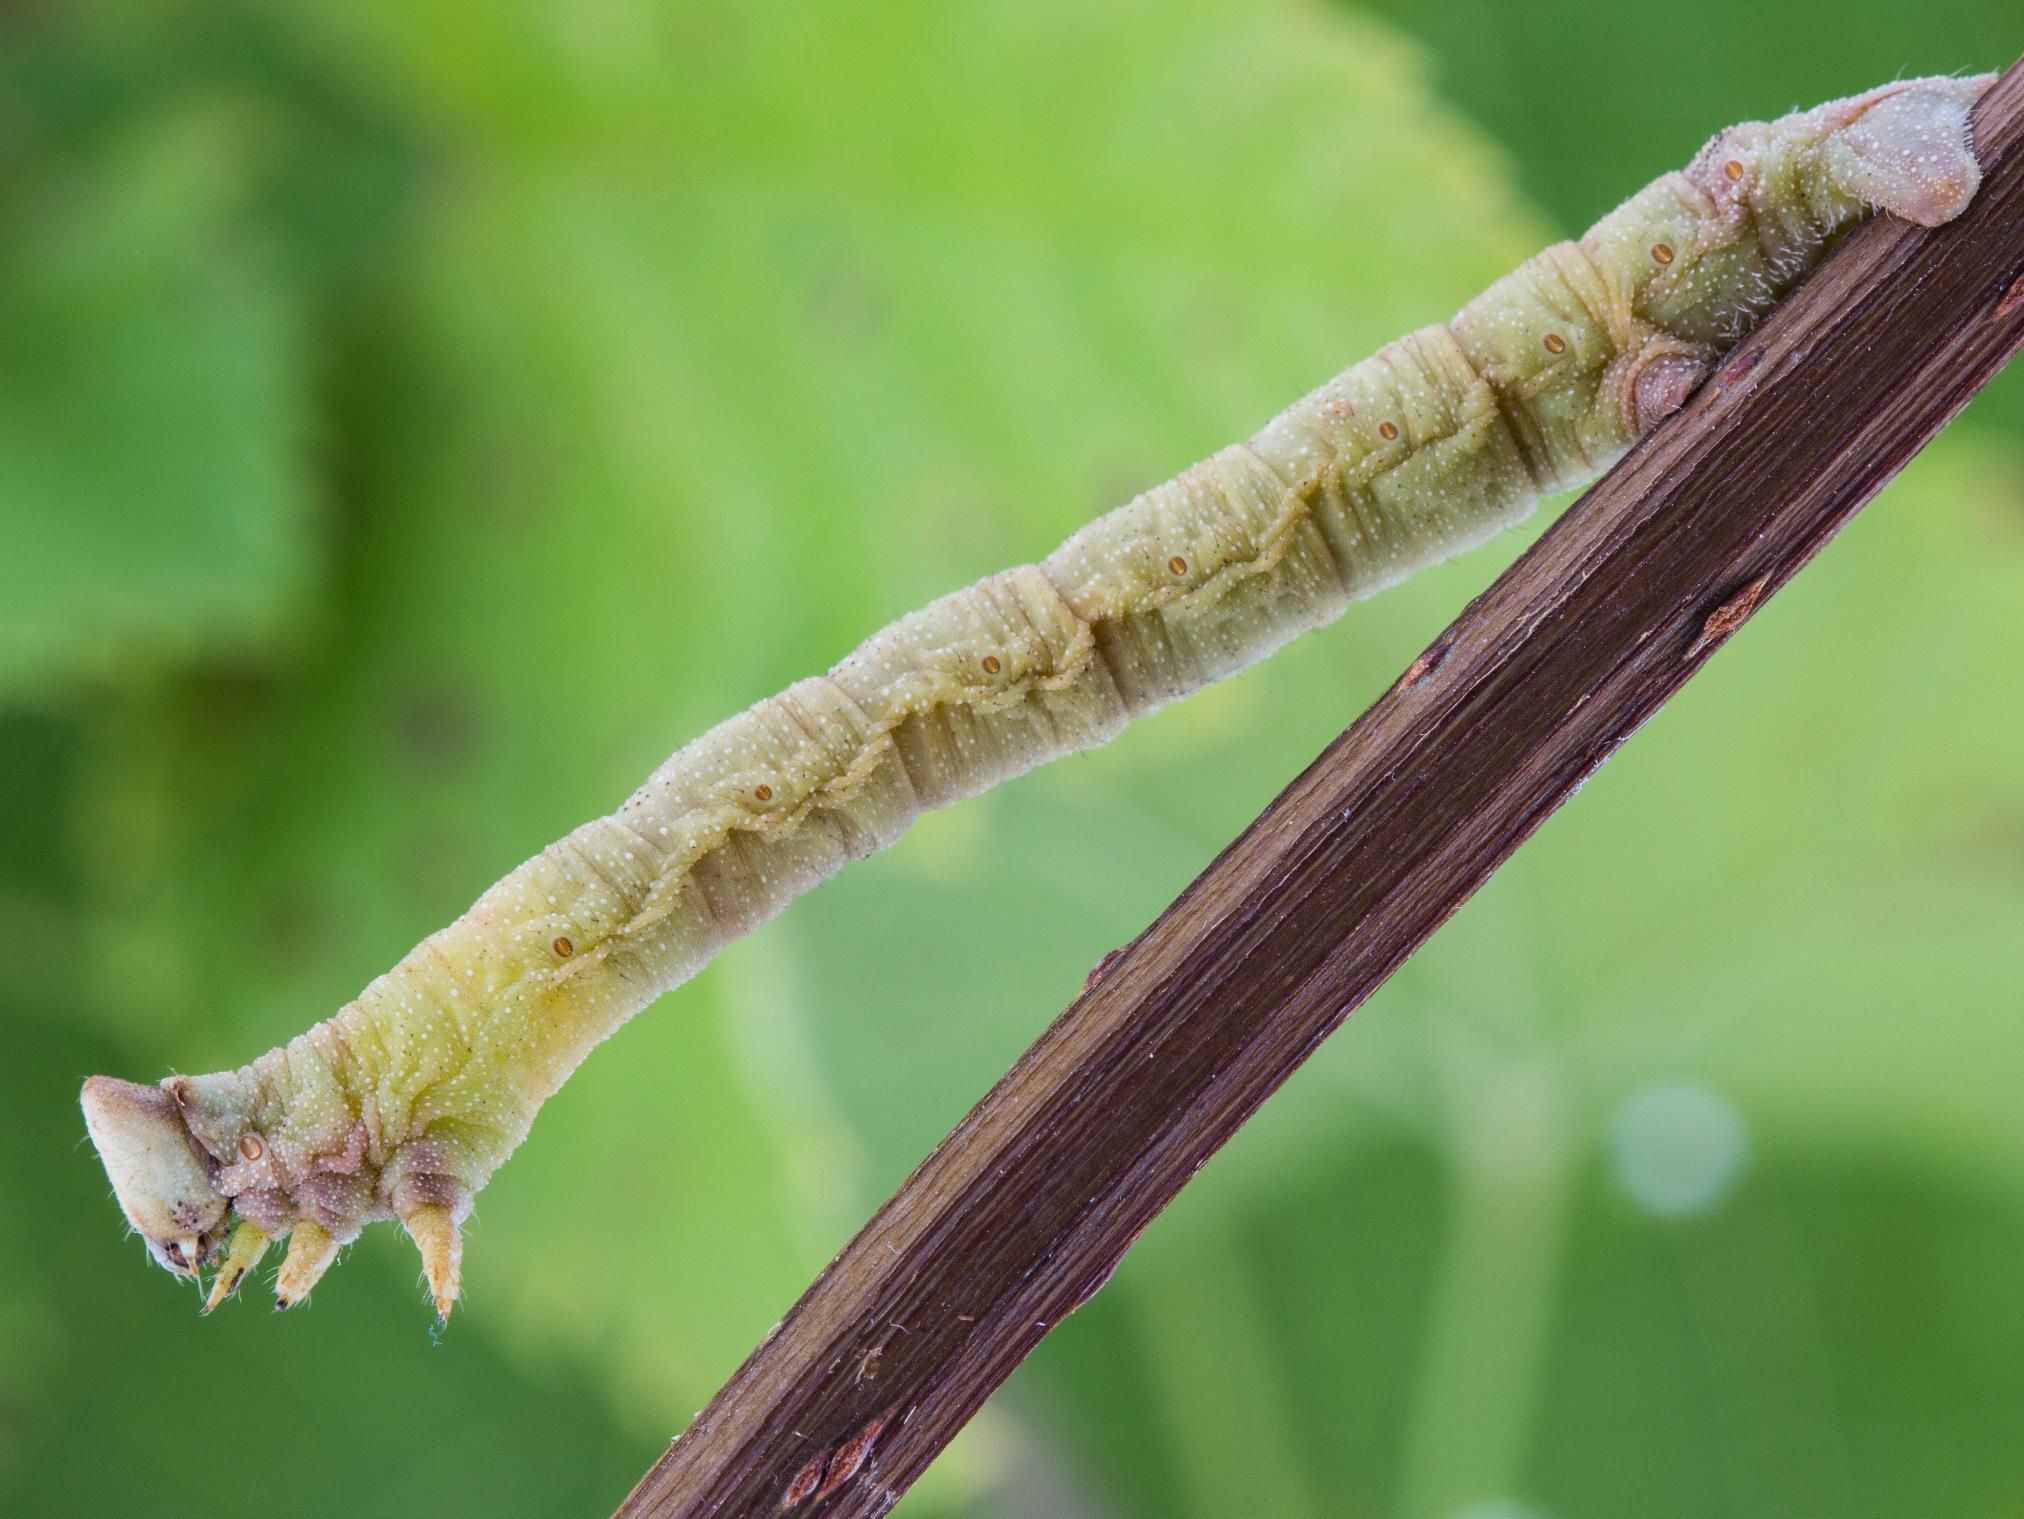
pixel 1613 317
pixel 1328 488
pixel 1096 631
pixel 569 850
pixel 646 848
pixel 1520 433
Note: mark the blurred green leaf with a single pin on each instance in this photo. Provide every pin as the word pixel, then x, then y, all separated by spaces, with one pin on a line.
pixel 153 496
pixel 180 194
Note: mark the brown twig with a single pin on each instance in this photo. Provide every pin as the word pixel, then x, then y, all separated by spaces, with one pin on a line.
pixel 1024 1211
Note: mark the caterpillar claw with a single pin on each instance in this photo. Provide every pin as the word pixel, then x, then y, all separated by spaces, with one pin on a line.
pixel 242 1253
pixel 1905 148
pixel 311 1249
pixel 436 1234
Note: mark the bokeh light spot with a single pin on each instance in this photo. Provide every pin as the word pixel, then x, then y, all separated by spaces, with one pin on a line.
pixel 1677 1147
pixel 1499 1508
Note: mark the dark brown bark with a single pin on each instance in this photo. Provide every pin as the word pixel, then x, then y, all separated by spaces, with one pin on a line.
pixel 1022 1212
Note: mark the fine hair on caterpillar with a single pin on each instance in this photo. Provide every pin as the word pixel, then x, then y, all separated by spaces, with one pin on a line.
pixel 404 1102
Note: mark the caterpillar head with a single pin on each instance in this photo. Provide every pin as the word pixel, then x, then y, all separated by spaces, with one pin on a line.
pixel 161 1179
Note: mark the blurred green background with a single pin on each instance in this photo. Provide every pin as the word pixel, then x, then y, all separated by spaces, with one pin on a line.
pixel 417 419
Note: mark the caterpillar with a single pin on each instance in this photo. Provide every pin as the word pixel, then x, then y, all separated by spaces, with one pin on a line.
pixel 404 1103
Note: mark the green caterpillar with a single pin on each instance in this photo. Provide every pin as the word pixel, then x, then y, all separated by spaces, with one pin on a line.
pixel 404 1103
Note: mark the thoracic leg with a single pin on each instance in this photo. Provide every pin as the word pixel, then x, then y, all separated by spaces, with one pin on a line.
pixel 434 1230
pixel 432 1206
pixel 311 1249
pixel 242 1254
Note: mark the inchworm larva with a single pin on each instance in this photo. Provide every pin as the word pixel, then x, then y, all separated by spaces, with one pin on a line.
pixel 404 1103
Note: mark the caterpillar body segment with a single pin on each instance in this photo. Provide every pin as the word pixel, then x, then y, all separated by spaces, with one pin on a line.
pixel 402 1104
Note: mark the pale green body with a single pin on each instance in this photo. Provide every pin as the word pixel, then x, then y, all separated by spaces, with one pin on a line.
pixel 414 1093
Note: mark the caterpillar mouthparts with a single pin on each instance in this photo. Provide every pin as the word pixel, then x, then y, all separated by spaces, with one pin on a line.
pixel 402 1104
